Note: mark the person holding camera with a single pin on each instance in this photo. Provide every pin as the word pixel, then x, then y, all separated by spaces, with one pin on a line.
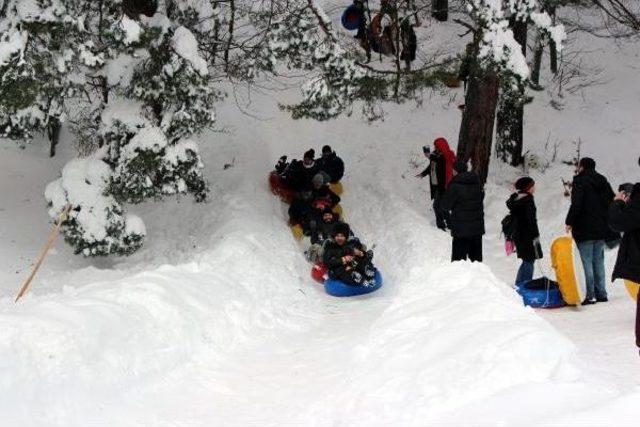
pixel 624 216
pixel 440 172
pixel 591 196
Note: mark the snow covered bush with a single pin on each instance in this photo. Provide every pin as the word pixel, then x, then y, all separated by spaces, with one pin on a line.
pixel 96 223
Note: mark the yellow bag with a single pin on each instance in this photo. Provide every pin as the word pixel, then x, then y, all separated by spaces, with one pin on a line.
pixel 632 289
pixel 562 262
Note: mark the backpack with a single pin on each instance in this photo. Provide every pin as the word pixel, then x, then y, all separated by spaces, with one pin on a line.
pixel 510 227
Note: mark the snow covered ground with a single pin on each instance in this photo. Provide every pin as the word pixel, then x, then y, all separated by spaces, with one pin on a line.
pixel 217 322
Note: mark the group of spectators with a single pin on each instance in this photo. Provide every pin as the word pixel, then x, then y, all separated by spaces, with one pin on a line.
pixel 597 218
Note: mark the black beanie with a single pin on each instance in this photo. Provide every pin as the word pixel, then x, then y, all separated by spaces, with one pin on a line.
pixel 524 184
pixel 341 228
pixel 326 150
pixel 588 163
pixel 460 166
pixel 310 154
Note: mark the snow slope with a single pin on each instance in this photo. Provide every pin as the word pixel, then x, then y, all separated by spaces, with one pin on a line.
pixel 217 322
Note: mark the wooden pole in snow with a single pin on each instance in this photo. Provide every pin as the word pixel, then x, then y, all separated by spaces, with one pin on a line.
pixel 45 250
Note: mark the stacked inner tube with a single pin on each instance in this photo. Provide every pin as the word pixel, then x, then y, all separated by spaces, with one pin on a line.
pixel 319 271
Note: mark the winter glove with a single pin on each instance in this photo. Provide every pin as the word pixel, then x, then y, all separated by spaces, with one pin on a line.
pixel 537 248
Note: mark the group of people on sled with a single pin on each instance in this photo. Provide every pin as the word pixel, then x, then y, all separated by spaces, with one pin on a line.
pixel 315 209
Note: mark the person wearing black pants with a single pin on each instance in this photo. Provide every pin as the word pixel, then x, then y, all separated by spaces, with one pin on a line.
pixel 464 199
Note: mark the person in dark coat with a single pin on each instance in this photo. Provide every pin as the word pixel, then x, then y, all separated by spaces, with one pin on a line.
pixel 624 216
pixel 587 221
pixel 440 172
pixel 527 235
pixel 347 260
pixel 321 193
pixel 464 199
pixel 331 164
pixel 321 231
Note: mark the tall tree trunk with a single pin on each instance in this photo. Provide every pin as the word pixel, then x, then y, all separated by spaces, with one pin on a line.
pixel 537 62
pixel 53 132
pixel 440 9
pixel 476 129
pixel 510 117
pixel 553 49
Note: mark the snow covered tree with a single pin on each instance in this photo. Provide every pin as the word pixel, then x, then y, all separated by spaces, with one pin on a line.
pixel 499 58
pixel 135 87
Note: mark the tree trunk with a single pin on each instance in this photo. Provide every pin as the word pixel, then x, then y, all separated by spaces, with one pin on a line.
pixel 537 62
pixel 476 129
pixel 553 49
pixel 510 117
pixel 440 9
pixel 53 132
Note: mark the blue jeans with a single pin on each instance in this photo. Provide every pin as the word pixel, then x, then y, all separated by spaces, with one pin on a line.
pixel 525 272
pixel 592 255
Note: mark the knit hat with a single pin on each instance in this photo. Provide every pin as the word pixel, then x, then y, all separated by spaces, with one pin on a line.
pixel 460 166
pixel 318 180
pixel 326 150
pixel 524 184
pixel 587 163
pixel 341 228
pixel 310 154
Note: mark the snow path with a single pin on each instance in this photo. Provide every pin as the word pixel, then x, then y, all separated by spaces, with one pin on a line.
pixel 217 322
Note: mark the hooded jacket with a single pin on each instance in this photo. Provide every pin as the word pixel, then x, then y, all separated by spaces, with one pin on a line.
pixel 523 208
pixel 465 200
pixel 591 196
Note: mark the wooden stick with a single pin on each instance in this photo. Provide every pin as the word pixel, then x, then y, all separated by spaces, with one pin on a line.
pixel 45 250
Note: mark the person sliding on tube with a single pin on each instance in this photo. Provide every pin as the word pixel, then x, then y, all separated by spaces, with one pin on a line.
pixel 526 236
pixel 331 164
pixel 440 172
pixel 321 193
pixel 624 216
pixel 321 230
pixel 348 260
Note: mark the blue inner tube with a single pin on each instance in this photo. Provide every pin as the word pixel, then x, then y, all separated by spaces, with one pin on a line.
pixel 351 18
pixel 341 289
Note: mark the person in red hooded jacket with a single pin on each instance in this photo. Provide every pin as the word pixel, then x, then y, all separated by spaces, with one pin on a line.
pixel 440 172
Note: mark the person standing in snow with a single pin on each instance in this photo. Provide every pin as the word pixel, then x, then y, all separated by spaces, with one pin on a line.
pixel 464 199
pixel 624 216
pixel 347 260
pixel 331 164
pixel 587 221
pixel 526 236
pixel 440 172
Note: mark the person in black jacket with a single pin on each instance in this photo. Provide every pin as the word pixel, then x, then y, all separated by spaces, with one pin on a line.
pixel 321 232
pixel 624 216
pixel 527 235
pixel 347 260
pixel 464 200
pixel 321 194
pixel 436 171
pixel 331 164
pixel 587 221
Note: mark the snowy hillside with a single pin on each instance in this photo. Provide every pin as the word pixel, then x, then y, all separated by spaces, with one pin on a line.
pixel 217 322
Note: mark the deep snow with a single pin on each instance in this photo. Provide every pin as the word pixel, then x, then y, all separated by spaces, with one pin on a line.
pixel 217 322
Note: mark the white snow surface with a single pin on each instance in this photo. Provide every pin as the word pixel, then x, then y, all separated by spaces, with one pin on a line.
pixel 216 321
